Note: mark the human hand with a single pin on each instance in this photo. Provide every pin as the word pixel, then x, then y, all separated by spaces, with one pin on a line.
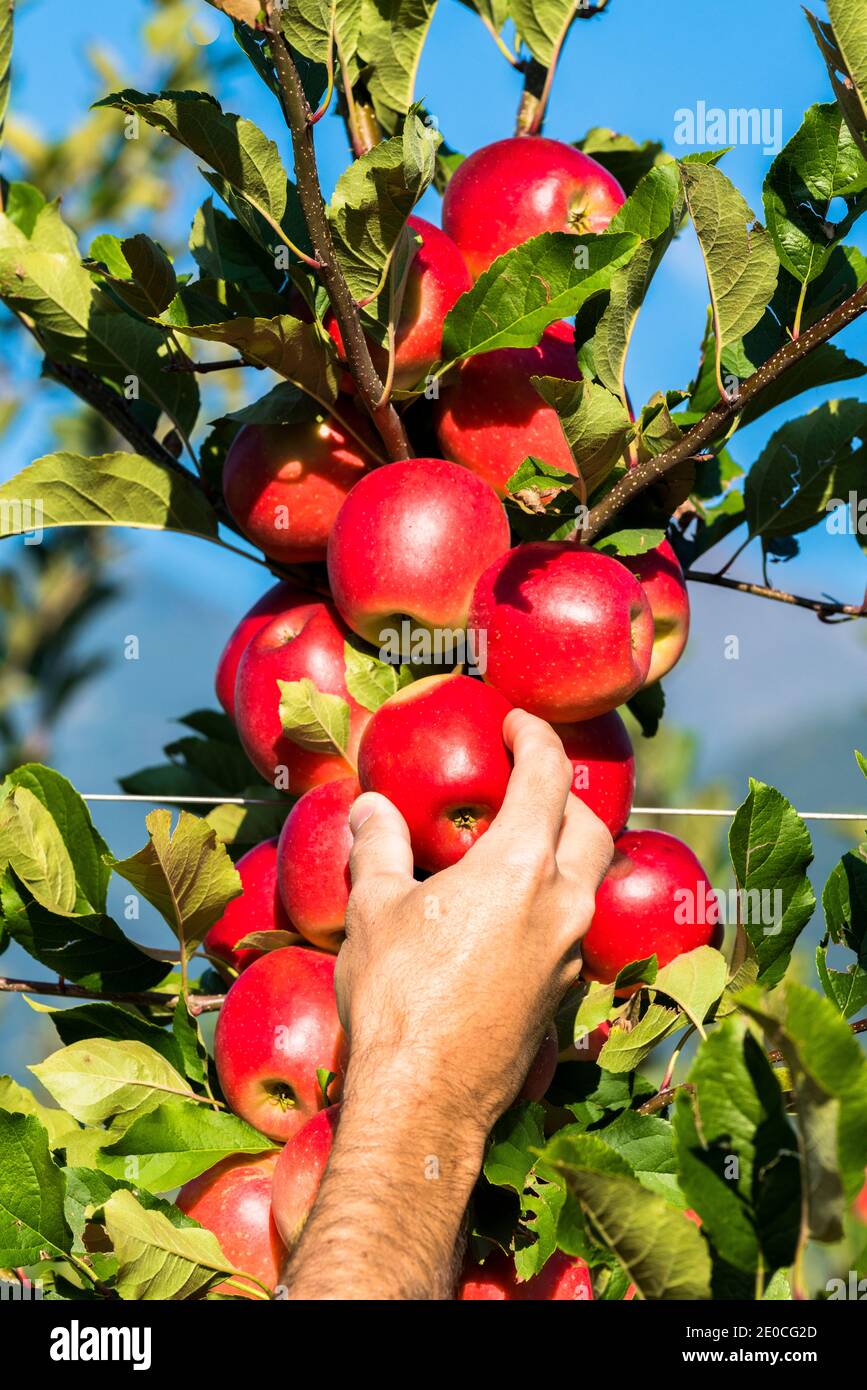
pixel 450 983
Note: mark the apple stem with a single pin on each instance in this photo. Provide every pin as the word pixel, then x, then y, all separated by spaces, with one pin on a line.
pixel 297 111
pixel 718 421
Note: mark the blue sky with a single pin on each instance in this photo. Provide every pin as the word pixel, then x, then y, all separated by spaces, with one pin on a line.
pixel 633 69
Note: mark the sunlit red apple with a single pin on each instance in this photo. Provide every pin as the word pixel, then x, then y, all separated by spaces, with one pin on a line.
pixel 233 1200
pixel 313 862
pixel 662 580
pixel 258 908
pixel 299 1172
pixel 603 766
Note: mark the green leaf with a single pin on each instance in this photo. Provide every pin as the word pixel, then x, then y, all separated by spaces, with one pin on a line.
pixel 828 1081
pixel 805 465
pixel 157 1260
pixel 88 1190
pixel 111 490
pixel 510 1156
pixel 844 902
pixel 737 1153
pixel 91 951
pixel 647 1144
pixel 739 256
pixel 622 156
pixel 293 349
pixel 17 1100
pixel 97 1020
pixel 100 1079
pixel 187 876
pixel 232 146
pixel 31 1194
pixel 188 1036
pixel 595 423
pixel 42 277
pixel 369 680
pixel 770 850
pixel 392 36
pixel 843 45
pixel 694 980
pixel 820 162
pixel 664 1256
pixel 372 200
pixel 624 1051
pixel 139 271
pixel 313 720
pixel 176 1142
pixel 548 278
pixel 653 212
pixel 72 818
pixel 32 845
pixel 846 989
pixel 648 707
pixel 634 542
pixel 543 24
pixel 224 250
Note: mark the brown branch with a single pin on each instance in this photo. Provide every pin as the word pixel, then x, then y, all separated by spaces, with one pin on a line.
pixel 859 1027
pixel 825 609
pixel 224 364
pixel 297 112
pixel 198 1004
pixel 538 79
pixel 718 421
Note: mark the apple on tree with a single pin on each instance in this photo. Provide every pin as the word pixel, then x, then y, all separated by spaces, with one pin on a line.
pixel 410 542
pixel 603 766
pixel 278 1028
pixel 436 279
pixel 233 1200
pixel 305 641
pixel 662 581
pixel 569 630
pixel 511 190
pixel 563 1278
pixel 284 484
pixel 298 1173
pixel 491 417
pixel 654 900
pixel 436 750
pixel 258 908
pixel 313 862
pixel 274 601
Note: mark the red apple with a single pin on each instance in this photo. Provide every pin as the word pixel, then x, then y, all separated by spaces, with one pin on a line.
pixel 233 1199
pixel 564 1278
pixel 662 581
pixel 285 484
pixel 313 862
pixel 491 418
pixel 257 909
pixel 278 1026
pixel 541 1073
pixel 306 641
pixel 436 750
pixel 654 900
pixel 276 600
pixel 603 764
pixel 493 1281
pixel 569 630
pixel 588 1047
pixel 512 190
pixel 436 279
pixel 299 1172
pixel 860 1207
pixel 410 542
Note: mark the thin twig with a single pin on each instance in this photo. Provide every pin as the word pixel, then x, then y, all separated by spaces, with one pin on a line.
pixel 297 111
pixel 198 1003
pixel 825 608
pixel 718 421
pixel 224 364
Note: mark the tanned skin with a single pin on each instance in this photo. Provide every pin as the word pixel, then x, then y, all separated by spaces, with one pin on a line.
pixel 445 988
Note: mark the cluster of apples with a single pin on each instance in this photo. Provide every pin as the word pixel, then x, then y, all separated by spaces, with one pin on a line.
pixel 571 633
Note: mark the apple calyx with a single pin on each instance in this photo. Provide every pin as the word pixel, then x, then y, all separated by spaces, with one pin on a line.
pixel 281 1094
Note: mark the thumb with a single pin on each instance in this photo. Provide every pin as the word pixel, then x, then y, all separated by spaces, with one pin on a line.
pixel 381 842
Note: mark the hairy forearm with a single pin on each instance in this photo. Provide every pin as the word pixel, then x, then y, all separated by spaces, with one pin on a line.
pixel 389 1212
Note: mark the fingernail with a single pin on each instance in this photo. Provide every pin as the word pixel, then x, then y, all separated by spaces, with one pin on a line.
pixel 361 811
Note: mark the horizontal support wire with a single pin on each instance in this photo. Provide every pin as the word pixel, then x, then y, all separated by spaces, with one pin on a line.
pixel 726 812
